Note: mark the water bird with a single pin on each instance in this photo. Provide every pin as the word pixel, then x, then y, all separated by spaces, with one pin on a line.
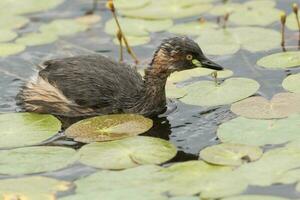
pixel 93 84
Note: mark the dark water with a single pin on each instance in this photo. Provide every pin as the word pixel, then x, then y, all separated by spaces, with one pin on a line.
pixel 190 128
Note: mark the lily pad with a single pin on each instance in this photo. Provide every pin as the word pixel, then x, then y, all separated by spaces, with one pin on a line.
pixel 291 22
pixel 88 19
pixel 168 9
pixel 280 60
pixel 230 154
pixel 12 22
pixel 33 188
pixel 134 40
pixel 126 153
pixel 292 83
pixel 63 27
pixel 255 197
pixel 108 127
pixel 33 39
pixel 282 105
pixel 7 49
pixel 260 132
pixel 221 10
pixel 137 27
pixel 174 92
pixel 31 129
pixel 30 160
pixel 207 93
pixel 7 35
pixel 133 4
pixel 192 28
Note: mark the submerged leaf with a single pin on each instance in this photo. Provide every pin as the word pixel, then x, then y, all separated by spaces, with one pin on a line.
pixel 126 153
pixel 282 105
pixel 292 83
pixel 30 160
pixel 207 93
pixel 31 128
pixel 230 154
pixel 280 60
pixel 108 127
pixel 7 49
pixel 260 132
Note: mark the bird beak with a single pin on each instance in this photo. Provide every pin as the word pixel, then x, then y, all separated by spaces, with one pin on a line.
pixel 206 63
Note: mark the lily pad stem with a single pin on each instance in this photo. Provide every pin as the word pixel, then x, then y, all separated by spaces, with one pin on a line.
pixel 283 21
pixel 119 37
pixel 295 10
pixel 215 76
pixel 226 17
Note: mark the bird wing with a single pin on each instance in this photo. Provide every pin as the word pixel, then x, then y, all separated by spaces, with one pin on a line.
pixel 94 81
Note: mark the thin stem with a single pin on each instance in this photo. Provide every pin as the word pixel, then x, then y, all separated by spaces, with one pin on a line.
pixel 226 17
pixel 283 20
pixel 119 37
pixel 95 5
pixel 295 9
pixel 128 48
pixel 215 77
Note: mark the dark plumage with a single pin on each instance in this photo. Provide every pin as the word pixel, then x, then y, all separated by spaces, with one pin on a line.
pixel 94 85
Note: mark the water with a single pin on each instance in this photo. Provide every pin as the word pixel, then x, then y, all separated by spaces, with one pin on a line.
pixel 190 128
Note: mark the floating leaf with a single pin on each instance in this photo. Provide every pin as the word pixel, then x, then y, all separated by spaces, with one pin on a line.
pixel 230 154
pixel 168 9
pixel 108 127
pixel 7 49
pixel 31 160
pixel 7 35
pixel 62 27
pixel 137 27
pixel 174 92
pixel 126 153
pixel 291 22
pixel 132 4
pixel 134 40
pixel 192 28
pixel 282 105
pixel 292 83
pixel 88 19
pixel 184 198
pixel 33 39
pixel 260 132
pixel 33 188
pixel 280 60
pixel 255 197
pixel 223 9
pixel 207 93
pixel 12 22
pixel 31 129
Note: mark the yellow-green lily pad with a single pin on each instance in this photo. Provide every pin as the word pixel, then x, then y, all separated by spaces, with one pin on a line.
pixel 7 49
pixel 291 22
pixel 19 129
pixel 134 40
pixel 7 35
pixel 108 127
pixel 137 27
pixel 127 153
pixel 173 92
pixel 192 28
pixel 9 22
pixel 33 188
pixel 63 27
pixel 33 39
pixel 254 197
pixel 30 160
pixel 208 93
pixel 292 83
pixel 132 4
pixel 282 105
pixel 230 154
pixel 260 132
pixel 280 60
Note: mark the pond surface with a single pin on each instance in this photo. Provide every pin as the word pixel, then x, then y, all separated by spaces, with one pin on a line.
pixel 190 128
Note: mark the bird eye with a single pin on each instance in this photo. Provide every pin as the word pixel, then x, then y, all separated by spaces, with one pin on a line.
pixel 189 57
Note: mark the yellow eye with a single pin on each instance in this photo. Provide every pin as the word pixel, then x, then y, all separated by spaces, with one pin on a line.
pixel 189 57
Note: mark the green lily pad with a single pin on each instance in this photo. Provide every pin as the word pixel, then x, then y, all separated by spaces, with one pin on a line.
pixel 289 177
pixel 63 27
pixel 12 22
pixel 255 197
pixel 184 198
pixel 260 132
pixel 7 49
pixel 230 154
pixel 7 35
pixel 280 60
pixel 126 153
pixel 133 4
pixel 168 9
pixel 207 93
pixel 291 22
pixel 134 40
pixel 137 27
pixel 221 10
pixel 282 105
pixel 192 28
pixel 31 129
pixel 174 92
pixel 108 127
pixel 271 166
pixel 30 160
pixel 33 188
pixel 27 6
pixel 292 83
pixel 33 39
